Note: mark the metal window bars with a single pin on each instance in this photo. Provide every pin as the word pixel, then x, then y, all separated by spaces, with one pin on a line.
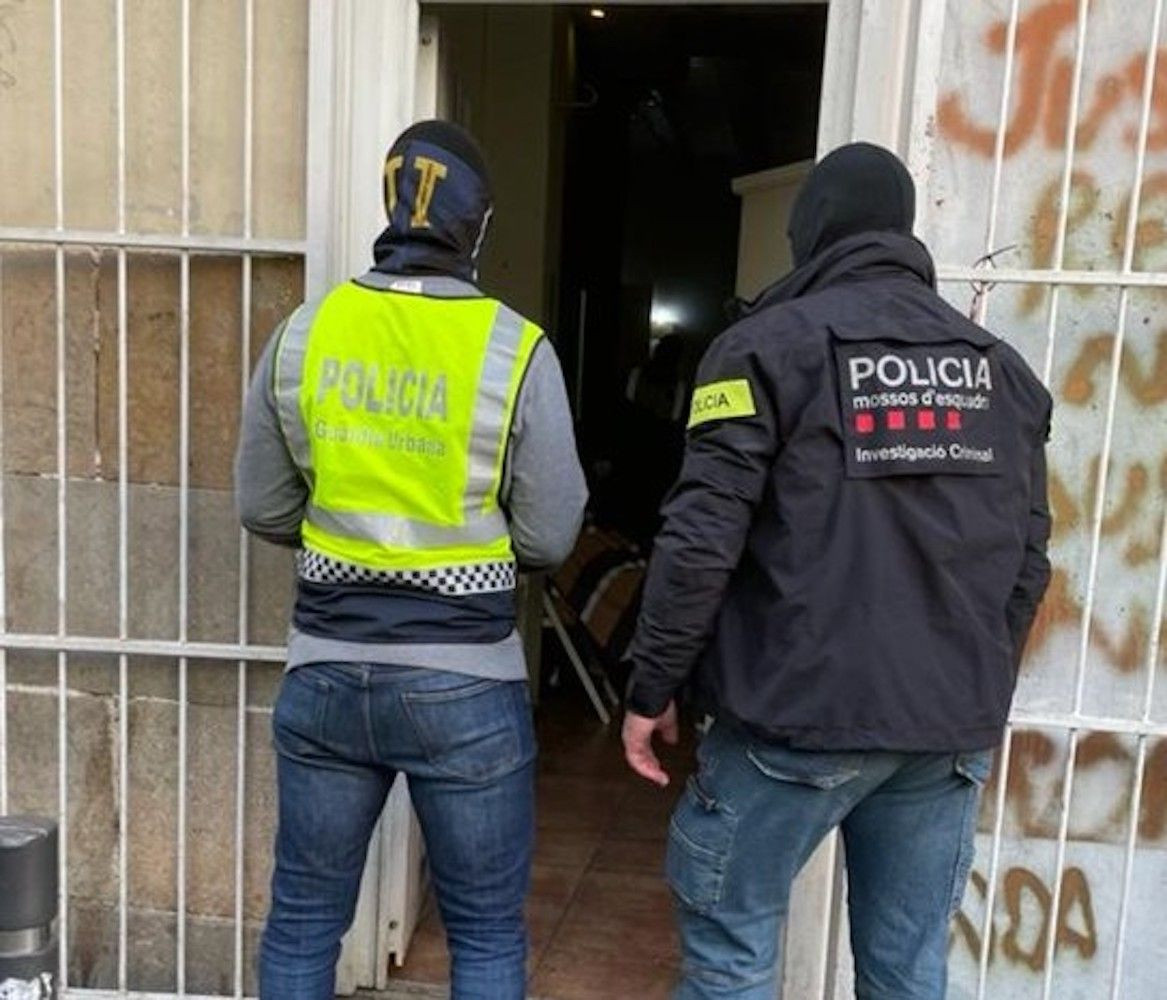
pixel 1142 727
pixel 124 242
pixel 1075 723
pixel 1002 87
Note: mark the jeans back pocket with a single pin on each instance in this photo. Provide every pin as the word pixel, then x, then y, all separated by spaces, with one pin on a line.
pixel 824 770
pixel 476 732
pixel 298 713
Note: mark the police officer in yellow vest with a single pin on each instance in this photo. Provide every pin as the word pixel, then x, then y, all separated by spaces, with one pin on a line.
pixel 410 437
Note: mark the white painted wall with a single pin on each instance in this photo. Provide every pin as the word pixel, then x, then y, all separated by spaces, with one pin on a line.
pixel 763 249
pixel 496 78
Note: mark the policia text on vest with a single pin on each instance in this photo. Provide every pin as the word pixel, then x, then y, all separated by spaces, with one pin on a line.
pixel 383 390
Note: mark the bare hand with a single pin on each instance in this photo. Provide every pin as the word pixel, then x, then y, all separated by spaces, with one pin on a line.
pixel 638 749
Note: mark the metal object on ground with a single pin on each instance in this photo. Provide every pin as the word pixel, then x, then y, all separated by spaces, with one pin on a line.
pixel 28 908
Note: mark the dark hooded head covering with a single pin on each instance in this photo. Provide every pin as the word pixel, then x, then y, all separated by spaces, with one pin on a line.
pixel 856 189
pixel 437 200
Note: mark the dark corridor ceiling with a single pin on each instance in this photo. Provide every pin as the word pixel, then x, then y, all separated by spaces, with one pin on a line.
pixel 736 87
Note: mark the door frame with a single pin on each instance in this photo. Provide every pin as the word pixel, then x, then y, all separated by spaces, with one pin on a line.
pixel 882 57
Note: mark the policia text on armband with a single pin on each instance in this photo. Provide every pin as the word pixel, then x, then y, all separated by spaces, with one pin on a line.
pixel 722 401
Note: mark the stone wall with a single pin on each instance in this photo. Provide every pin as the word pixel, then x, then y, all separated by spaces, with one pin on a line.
pixel 153 34
pixel 27 310
pixel 29 441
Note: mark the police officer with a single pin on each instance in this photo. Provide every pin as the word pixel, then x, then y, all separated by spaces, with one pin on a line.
pixel 849 566
pixel 411 438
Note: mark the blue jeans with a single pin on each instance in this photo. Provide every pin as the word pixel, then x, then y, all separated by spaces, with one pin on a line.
pixel 342 734
pixel 753 814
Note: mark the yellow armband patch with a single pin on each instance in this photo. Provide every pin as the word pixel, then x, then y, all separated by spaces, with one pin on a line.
pixel 722 401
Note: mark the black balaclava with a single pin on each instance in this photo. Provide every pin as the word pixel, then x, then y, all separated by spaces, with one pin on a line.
pixel 855 189
pixel 441 161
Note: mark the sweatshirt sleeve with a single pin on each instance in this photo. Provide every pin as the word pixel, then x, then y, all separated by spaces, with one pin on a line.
pixel 270 491
pixel 545 491
pixel 733 439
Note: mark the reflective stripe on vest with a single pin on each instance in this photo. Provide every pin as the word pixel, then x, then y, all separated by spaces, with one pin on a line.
pixel 398 408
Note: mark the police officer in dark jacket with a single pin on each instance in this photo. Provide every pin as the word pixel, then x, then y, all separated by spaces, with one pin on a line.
pixel 849 567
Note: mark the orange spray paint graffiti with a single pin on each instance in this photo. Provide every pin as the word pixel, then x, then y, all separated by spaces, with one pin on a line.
pixel 1109 430
pixel 1044 80
pixel 1033 806
pixel 1023 941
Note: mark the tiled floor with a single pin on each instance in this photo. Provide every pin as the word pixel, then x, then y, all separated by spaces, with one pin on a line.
pixel 599 914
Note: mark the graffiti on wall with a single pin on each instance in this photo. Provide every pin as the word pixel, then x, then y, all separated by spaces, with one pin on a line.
pixel 1019 934
pixel 1076 345
pixel 1104 767
pixel 1043 84
pixel 1100 203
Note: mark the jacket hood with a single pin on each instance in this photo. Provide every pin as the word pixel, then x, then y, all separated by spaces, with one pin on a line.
pixel 856 189
pixel 438 203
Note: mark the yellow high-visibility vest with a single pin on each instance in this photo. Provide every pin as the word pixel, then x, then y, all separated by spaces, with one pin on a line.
pixel 396 397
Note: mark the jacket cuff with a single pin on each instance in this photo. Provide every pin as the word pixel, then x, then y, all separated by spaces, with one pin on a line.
pixel 646 700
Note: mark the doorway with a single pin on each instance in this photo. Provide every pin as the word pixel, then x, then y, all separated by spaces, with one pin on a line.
pixel 642 159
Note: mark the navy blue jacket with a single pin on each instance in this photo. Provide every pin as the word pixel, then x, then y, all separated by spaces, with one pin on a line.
pixel 856 547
